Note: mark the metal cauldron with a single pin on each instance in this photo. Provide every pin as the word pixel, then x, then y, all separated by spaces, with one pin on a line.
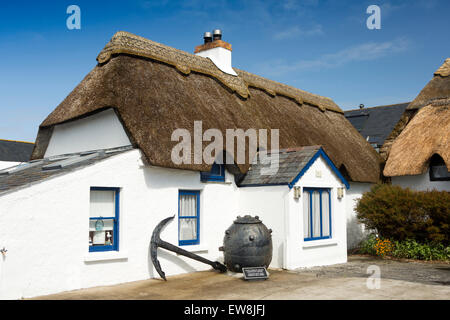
pixel 247 243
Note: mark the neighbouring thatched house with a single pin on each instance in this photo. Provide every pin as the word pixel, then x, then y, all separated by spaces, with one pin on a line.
pixel 420 154
pixel 14 152
pixel 102 174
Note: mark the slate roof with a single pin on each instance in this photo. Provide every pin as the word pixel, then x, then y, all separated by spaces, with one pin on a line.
pixel 291 163
pixel 33 172
pixel 376 122
pixel 15 151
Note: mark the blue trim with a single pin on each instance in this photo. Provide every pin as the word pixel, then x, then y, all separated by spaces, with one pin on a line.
pixel 210 176
pixel 115 245
pixel 322 153
pixel 311 226
pixel 192 193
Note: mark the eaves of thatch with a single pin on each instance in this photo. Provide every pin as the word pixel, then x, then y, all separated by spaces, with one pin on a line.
pixel 156 89
pixel 427 131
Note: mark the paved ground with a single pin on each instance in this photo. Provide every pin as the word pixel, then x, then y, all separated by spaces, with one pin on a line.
pixel 399 280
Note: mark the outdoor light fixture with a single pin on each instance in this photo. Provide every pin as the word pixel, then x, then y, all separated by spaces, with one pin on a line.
pixel 297 192
pixel 340 193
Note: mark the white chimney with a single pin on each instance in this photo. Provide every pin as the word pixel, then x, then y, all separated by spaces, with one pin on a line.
pixel 217 50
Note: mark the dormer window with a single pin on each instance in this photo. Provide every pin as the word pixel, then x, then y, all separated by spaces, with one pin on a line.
pixel 217 173
pixel 438 169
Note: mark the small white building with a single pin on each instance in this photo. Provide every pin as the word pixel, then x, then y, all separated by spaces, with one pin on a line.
pixel 82 212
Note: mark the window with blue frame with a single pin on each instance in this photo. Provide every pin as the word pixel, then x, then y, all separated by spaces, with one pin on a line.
pixel 188 217
pixel 104 219
pixel 316 213
pixel 217 173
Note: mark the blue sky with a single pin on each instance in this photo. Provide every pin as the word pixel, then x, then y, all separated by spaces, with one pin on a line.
pixel 319 46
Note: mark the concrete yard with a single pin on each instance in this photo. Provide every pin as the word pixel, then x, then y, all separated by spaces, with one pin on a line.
pixel 399 280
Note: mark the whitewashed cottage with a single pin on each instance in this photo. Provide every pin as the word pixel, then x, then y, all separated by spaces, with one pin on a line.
pixel 82 211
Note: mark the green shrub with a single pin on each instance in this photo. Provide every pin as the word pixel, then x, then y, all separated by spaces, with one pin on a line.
pixel 367 246
pixel 408 249
pixel 399 214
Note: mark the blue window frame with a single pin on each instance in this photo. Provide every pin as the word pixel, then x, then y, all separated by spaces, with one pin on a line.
pixel 317 213
pixel 188 217
pixel 217 173
pixel 104 219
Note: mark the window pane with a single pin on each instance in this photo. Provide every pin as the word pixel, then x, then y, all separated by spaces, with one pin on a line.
pixel 316 213
pixel 101 232
pixel 439 172
pixel 306 215
pixel 188 205
pixel 188 229
pixel 325 214
pixel 102 203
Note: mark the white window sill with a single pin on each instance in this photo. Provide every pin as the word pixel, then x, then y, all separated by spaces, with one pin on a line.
pixel 319 243
pixel 216 182
pixel 195 248
pixel 106 256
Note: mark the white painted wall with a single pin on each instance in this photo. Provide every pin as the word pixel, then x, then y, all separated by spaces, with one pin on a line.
pixel 356 231
pixel 269 204
pixel 102 130
pixel 302 253
pixel 7 164
pixel 421 182
pixel 44 226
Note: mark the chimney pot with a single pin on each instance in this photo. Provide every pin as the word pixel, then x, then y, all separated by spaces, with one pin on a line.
pixel 207 37
pixel 217 34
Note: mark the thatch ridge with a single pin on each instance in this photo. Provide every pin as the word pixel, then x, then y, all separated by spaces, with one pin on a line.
pixel 125 42
pixel 437 88
pixel 152 99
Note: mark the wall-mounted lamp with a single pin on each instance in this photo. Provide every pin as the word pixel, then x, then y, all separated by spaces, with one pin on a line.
pixel 297 192
pixel 340 193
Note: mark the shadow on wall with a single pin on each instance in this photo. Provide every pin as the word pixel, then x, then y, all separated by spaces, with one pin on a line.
pixel 356 232
pixel 167 258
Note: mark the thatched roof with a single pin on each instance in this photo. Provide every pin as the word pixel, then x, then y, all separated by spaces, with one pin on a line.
pixel 437 88
pixel 155 89
pixel 428 132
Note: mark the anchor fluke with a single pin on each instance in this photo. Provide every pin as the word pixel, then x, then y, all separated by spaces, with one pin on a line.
pixel 156 243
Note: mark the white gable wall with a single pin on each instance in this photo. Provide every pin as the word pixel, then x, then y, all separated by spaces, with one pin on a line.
pixel 102 130
pixel 302 253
